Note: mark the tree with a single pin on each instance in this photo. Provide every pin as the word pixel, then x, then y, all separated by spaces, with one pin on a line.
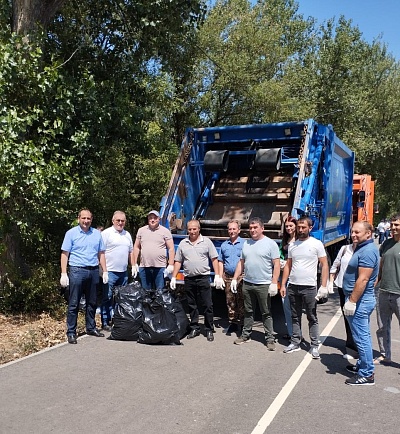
pixel 27 15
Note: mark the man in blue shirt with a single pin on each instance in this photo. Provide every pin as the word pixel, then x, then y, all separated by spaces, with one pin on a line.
pixel 228 259
pixel 358 287
pixel 82 250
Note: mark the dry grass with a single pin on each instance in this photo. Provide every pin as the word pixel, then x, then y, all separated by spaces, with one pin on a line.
pixel 24 335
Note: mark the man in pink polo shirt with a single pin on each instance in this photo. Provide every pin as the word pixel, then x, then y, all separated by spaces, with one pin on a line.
pixel 153 241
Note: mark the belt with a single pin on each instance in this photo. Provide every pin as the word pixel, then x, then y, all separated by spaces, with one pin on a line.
pixel 88 267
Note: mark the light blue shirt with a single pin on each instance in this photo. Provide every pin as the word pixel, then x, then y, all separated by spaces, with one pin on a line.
pixel 83 247
pixel 258 260
pixel 230 254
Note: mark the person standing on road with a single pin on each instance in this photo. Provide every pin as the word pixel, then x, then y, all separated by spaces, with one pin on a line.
pixel 153 241
pixel 389 288
pixel 119 252
pixel 260 263
pixel 228 259
pixel 301 269
pixel 336 274
pixel 381 230
pixel 82 250
pixel 358 286
pixel 289 237
pixel 195 253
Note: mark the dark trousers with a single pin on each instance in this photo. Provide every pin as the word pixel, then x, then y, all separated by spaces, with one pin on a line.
pixel 198 290
pixel 299 295
pixel 82 281
pixel 349 336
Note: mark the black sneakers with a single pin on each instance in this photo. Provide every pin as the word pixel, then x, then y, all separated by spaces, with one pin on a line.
pixel 361 381
pixel 352 368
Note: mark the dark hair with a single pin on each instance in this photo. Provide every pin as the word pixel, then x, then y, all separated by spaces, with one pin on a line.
pixel 395 217
pixel 285 237
pixel 256 221
pixel 306 219
pixel 85 209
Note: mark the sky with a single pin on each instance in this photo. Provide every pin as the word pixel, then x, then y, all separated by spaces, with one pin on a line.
pixel 373 17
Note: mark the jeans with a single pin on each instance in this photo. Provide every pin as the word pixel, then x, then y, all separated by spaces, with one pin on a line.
pixel 389 304
pixel 360 328
pixel 299 295
pixel 379 332
pixel 115 278
pixel 288 314
pixel 152 278
pixel 349 337
pixel 251 294
pixel 198 288
pixel 82 281
pixel 381 237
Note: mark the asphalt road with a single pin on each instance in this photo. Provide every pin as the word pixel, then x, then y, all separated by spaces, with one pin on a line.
pixel 103 386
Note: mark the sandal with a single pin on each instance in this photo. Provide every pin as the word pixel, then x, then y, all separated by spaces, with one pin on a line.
pixel 382 360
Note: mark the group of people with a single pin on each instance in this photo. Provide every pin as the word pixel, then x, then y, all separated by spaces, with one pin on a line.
pixel 251 271
pixel 368 279
pixel 383 230
pixel 90 253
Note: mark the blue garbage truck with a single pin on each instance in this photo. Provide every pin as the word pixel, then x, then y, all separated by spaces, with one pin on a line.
pixel 268 171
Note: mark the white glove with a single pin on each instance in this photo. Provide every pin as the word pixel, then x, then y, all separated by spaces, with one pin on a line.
pixel 172 284
pixel 349 308
pixel 135 270
pixel 322 293
pixel 219 282
pixel 105 277
pixel 330 287
pixel 168 271
pixel 64 281
pixel 282 263
pixel 273 289
pixel 234 286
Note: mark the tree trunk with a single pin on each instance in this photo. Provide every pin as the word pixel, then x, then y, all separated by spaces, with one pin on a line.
pixel 29 14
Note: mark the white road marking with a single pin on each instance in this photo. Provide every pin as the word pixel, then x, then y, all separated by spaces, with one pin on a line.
pixel 278 402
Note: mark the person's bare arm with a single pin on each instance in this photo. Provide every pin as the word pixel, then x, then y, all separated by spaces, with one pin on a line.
pixel 64 261
pixel 171 251
pixel 325 270
pixel 136 251
pixel 239 269
pixel 364 274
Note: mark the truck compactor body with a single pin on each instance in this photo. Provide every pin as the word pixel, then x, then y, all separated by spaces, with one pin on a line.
pixel 268 171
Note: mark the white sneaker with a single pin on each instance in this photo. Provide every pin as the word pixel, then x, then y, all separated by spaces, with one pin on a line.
pixel 291 348
pixel 348 357
pixel 314 353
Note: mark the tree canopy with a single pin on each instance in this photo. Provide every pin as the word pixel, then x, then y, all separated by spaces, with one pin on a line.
pixel 95 97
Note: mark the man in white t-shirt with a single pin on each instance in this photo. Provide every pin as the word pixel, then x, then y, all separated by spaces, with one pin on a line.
pixel 119 252
pixel 302 266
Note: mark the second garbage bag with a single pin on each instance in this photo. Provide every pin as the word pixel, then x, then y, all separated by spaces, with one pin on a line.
pixel 146 317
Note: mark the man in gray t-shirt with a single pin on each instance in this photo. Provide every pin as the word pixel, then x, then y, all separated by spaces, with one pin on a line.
pixel 195 253
pixel 389 289
pixel 261 266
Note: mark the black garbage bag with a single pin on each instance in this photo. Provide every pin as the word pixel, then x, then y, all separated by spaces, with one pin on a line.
pixel 128 315
pixel 159 324
pixel 172 303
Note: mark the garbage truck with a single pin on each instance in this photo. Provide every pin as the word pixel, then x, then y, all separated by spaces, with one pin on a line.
pixel 268 171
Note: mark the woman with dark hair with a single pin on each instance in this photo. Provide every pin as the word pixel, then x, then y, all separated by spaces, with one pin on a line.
pixel 289 236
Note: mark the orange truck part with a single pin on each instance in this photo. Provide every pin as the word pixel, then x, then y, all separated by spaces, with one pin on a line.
pixel 363 198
